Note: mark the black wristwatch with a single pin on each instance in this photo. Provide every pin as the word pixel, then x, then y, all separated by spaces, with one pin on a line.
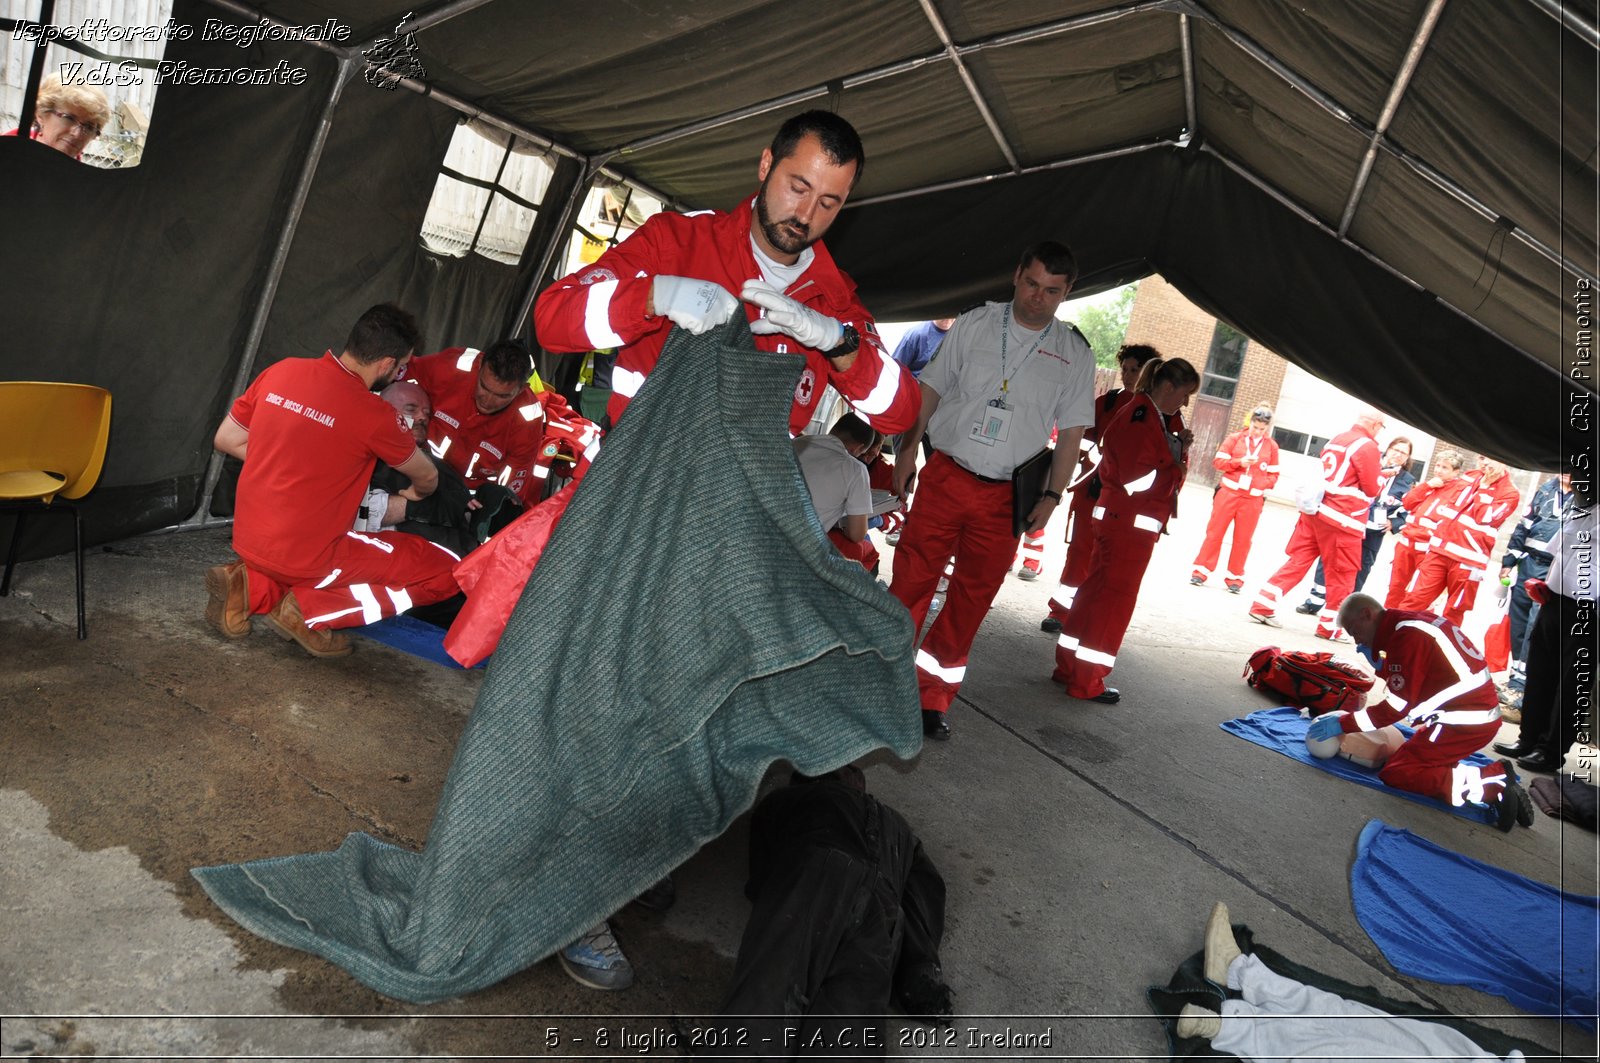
pixel 849 340
pixel 1053 494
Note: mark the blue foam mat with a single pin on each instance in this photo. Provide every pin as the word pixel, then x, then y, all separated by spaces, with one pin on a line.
pixel 1438 915
pixel 416 637
pixel 1284 730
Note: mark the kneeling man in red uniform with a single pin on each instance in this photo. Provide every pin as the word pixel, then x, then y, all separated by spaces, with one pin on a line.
pixel 1438 684
pixel 309 431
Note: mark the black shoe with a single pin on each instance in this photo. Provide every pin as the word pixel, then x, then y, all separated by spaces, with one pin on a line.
pixel 1050 624
pixel 1505 807
pixel 935 726
pixel 1540 760
pixel 1514 750
pixel 1108 696
pixel 1524 803
pixel 1308 609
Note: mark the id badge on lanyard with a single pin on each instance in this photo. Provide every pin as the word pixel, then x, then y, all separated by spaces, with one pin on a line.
pixel 993 424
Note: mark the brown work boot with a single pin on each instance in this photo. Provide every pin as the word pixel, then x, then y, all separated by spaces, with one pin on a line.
pixel 228 604
pixel 291 624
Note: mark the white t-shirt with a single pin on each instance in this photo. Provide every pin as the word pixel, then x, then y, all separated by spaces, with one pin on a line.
pixel 1051 383
pixel 837 481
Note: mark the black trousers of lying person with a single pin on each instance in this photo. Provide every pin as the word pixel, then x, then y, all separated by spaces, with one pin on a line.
pixel 849 913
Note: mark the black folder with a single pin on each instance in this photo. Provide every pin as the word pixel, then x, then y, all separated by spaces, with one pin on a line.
pixel 1028 482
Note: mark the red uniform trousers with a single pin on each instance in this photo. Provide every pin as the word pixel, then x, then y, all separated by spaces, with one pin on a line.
pixel 1340 551
pixel 1438 572
pixel 863 552
pixel 1429 764
pixel 372 575
pixel 956 513
pixel 1407 556
pixel 1080 554
pixel 1243 511
pixel 1092 635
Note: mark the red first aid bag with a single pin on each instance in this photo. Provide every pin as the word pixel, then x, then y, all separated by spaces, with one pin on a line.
pixel 1497 645
pixel 1312 681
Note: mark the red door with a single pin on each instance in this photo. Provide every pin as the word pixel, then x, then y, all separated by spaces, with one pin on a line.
pixel 1210 428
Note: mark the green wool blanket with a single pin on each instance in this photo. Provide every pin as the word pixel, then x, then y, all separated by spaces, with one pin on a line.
pixel 688 625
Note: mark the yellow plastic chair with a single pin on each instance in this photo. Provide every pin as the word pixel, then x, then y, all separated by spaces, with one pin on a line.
pixel 52 447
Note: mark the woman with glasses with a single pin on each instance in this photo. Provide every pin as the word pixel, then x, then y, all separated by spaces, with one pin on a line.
pixel 68 117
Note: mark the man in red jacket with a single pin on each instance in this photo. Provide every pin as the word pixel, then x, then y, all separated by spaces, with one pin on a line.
pixel 1459 550
pixel 310 431
pixel 693 270
pixel 487 424
pixel 1333 530
pixel 1248 462
pixel 1439 685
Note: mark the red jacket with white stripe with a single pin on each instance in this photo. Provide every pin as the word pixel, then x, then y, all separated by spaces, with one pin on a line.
pixel 603 305
pixel 1253 479
pixel 1434 674
pixel 1141 468
pixel 1469 517
pixel 1422 503
pixel 1350 479
pixel 500 447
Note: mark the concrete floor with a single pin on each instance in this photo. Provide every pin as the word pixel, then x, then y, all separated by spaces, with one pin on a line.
pixel 1082 845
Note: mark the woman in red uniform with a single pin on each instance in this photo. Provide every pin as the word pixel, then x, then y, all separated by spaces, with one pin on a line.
pixel 1421 502
pixel 1144 459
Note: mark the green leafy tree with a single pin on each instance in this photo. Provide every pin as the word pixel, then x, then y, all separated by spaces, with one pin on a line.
pixel 1103 320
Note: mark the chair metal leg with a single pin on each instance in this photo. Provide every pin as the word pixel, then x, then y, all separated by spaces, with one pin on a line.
pixel 11 554
pixel 77 538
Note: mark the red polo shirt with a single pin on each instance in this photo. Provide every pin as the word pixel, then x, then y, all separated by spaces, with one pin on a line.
pixel 484 448
pixel 315 434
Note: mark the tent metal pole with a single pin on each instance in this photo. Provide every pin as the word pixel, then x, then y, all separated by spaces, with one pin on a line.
pixel 200 518
pixel 30 91
pixel 1422 169
pixel 442 13
pixel 1402 81
pixel 1186 40
pixel 563 227
pixel 903 66
pixel 1561 11
pixel 978 100
pixel 1272 191
pixel 1068 25
pixel 967 182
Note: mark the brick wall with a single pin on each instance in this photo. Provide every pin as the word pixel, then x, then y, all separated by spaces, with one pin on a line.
pixel 1171 324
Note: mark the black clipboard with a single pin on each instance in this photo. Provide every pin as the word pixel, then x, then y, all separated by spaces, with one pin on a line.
pixel 1028 482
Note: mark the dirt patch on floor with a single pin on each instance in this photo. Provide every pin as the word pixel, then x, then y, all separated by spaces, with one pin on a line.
pixel 158 735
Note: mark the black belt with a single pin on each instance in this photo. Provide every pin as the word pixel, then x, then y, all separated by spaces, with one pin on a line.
pixel 976 476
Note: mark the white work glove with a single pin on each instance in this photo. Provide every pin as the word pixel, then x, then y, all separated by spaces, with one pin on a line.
pixel 693 304
pixel 817 331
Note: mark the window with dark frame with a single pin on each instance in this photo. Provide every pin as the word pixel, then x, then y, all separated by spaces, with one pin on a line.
pixel 1223 362
pixel 487 196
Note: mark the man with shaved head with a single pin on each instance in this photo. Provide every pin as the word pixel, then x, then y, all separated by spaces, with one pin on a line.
pixel 1437 683
pixel 1332 526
